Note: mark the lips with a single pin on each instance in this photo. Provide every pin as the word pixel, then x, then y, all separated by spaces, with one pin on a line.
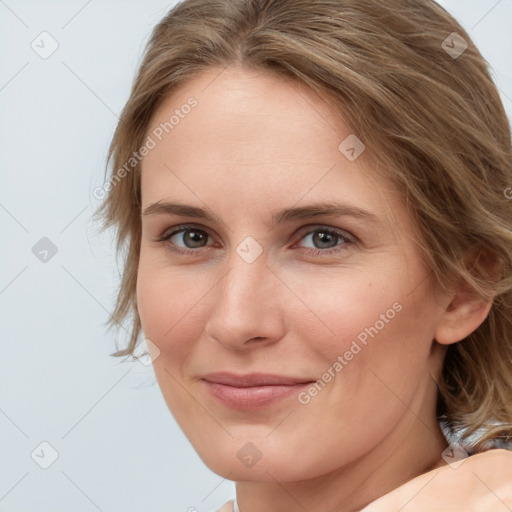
pixel 252 391
pixel 253 379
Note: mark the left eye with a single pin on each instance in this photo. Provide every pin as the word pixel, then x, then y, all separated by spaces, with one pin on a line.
pixel 326 238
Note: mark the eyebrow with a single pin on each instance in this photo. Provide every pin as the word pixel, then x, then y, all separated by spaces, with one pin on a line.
pixel 332 208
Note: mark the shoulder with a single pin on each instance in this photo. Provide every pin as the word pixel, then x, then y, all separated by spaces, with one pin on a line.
pixel 481 483
pixel 495 465
pixel 227 507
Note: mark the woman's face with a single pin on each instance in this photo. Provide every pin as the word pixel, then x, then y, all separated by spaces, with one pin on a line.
pixel 291 316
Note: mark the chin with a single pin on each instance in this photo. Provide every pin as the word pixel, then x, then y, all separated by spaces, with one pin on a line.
pixel 259 461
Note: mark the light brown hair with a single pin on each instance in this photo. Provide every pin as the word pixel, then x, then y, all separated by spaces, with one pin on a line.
pixel 432 119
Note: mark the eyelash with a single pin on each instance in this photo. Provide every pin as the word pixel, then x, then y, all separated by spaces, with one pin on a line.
pixel 346 237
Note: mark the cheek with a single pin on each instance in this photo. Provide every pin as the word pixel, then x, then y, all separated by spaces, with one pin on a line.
pixel 380 302
pixel 168 304
pixel 368 326
pixel 346 307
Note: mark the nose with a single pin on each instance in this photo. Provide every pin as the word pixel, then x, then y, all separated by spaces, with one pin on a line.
pixel 246 310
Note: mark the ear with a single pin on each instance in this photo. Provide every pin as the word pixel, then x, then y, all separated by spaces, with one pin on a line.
pixel 463 315
pixel 465 310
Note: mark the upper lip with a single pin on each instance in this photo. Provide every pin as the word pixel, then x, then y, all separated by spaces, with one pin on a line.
pixel 253 379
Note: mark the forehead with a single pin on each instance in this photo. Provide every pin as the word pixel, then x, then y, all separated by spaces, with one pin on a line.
pixel 254 137
pixel 246 113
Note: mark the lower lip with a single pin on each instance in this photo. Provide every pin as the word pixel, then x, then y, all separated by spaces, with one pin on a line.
pixel 255 397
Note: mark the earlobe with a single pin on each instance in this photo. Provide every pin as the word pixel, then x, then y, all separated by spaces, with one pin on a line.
pixel 462 316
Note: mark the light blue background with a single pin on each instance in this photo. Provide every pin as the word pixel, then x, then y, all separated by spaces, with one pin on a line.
pixel 119 448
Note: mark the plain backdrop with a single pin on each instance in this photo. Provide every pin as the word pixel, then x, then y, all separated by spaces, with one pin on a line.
pixel 99 423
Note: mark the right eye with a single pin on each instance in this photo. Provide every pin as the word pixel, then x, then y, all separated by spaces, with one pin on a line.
pixel 191 238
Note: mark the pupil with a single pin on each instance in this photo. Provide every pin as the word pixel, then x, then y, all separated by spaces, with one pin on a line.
pixel 322 237
pixel 196 238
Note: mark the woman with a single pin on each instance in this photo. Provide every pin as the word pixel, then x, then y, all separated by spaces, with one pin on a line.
pixel 312 198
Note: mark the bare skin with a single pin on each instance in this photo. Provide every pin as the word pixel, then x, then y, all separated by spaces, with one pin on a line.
pixel 254 145
pixel 481 483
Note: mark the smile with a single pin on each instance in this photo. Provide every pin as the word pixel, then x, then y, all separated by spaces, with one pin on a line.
pixel 252 391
